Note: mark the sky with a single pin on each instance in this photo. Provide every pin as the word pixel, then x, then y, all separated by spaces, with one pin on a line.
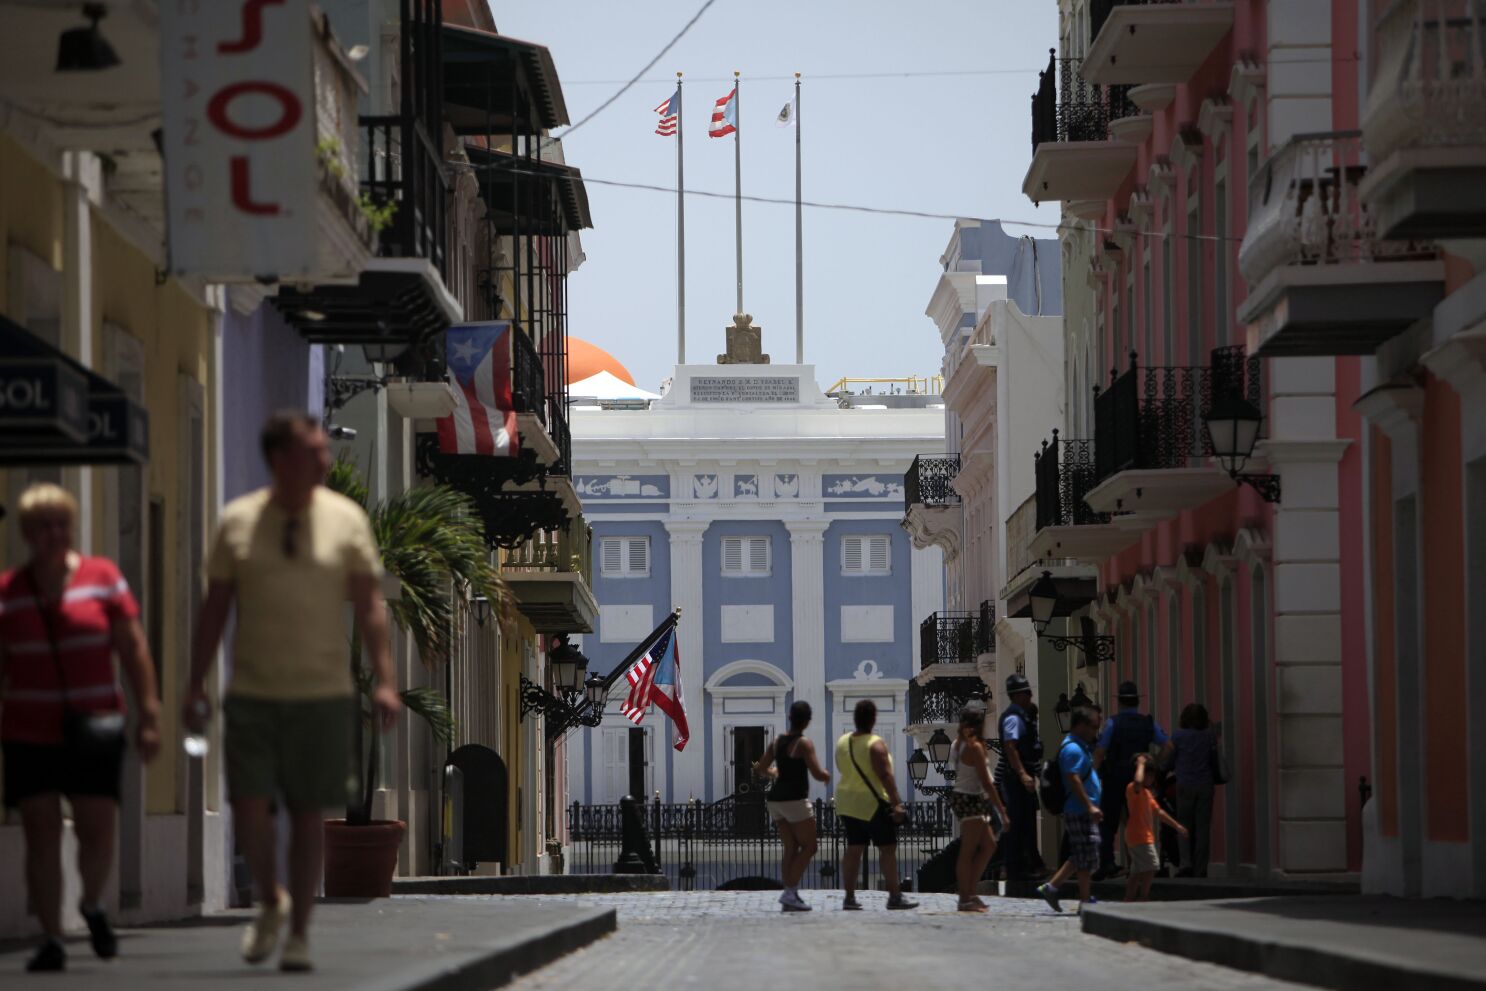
pixel 955 144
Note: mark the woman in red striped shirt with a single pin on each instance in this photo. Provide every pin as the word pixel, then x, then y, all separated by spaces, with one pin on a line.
pixel 62 618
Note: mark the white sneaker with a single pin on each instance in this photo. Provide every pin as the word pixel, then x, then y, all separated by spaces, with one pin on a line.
pixel 296 956
pixel 262 934
pixel 792 902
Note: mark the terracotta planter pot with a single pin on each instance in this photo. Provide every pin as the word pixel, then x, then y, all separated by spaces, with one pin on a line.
pixel 360 860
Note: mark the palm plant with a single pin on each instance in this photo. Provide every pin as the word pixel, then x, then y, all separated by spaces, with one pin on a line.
pixel 432 542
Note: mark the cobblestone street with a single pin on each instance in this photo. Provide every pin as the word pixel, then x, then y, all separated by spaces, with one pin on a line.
pixel 740 939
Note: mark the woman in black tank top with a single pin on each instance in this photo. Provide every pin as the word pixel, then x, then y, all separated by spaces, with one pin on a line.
pixel 788 760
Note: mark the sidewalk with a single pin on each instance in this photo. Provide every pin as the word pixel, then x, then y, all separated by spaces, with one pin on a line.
pixel 1337 942
pixel 398 944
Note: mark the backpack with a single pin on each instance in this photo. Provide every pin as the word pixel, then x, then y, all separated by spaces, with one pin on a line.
pixel 1053 789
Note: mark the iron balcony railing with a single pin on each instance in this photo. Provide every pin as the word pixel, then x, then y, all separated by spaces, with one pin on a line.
pixel 568 549
pixel 405 187
pixel 1065 474
pixel 941 700
pixel 1066 108
pixel 1305 209
pixel 528 383
pixel 562 436
pixel 950 637
pixel 1153 417
pixel 1099 11
pixel 926 483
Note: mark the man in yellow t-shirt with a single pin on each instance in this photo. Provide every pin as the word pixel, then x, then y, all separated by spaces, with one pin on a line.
pixel 870 809
pixel 290 556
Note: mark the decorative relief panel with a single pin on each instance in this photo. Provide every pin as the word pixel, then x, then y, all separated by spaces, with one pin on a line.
pixel 745 486
pixel 623 486
pixel 787 486
pixel 880 486
pixel 704 486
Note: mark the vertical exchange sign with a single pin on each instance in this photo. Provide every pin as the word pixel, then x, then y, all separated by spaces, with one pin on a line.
pixel 241 179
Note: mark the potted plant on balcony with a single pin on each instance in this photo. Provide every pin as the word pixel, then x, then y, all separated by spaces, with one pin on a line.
pixel 433 545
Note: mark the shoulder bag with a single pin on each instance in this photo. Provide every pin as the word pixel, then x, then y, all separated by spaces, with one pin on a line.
pixel 84 734
pixel 882 803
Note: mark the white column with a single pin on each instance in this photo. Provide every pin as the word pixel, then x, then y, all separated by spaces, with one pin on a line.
pixel 1305 451
pixel 686 592
pixel 926 592
pixel 807 611
pixel 1299 84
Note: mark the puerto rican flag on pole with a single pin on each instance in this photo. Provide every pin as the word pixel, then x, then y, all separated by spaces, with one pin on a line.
pixel 724 116
pixel 656 677
pixel 483 421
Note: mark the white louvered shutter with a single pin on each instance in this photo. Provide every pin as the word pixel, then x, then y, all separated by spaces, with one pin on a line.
pixel 877 555
pixel 758 556
pixel 732 555
pixel 612 554
pixel 639 555
pixel 851 555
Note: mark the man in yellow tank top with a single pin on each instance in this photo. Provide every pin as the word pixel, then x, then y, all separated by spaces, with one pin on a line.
pixel 867 800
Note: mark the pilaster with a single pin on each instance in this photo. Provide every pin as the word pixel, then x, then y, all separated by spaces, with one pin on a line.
pixel 807 610
pixel 689 776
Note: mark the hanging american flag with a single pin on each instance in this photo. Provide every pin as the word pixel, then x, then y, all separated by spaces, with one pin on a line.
pixel 483 421
pixel 656 677
pixel 724 116
pixel 668 112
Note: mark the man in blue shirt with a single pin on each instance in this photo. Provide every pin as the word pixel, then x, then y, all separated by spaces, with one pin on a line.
pixel 1081 812
pixel 1130 732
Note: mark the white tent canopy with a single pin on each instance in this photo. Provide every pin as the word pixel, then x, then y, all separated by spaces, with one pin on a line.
pixel 607 386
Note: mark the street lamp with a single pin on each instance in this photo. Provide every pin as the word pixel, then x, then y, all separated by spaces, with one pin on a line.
pixel 918 768
pixel 384 352
pixel 939 748
pixel 1044 602
pixel 1064 709
pixel 568 665
pixel 1232 425
pixel 596 689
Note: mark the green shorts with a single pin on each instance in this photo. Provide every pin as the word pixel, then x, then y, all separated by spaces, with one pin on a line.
pixel 297 751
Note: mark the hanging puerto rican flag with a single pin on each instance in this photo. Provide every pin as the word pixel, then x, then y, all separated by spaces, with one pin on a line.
pixel 479 362
pixel 656 677
pixel 724 116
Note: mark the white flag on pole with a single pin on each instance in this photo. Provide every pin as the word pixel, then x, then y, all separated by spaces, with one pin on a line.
pixel 787 114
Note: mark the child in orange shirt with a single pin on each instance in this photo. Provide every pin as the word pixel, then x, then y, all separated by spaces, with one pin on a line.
pixel 1140 832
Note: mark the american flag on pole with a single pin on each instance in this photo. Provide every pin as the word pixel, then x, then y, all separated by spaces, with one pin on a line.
pixel 656 677
pixel 483 421
pixel 724 116
pixel 668 112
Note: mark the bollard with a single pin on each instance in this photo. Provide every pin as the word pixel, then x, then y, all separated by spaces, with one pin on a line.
pixel 452 861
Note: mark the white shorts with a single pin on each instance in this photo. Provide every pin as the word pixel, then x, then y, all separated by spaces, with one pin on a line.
pixel 795 810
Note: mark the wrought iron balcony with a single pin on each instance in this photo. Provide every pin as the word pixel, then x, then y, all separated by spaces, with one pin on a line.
pixel 957 637
pixel 1425 120
pixel 404 174
pixel 1152 41
pixel 1324 281
pixel 926 483
pixel 1074 156
pixel 1067 527
pixel 549 577
pixel 941 700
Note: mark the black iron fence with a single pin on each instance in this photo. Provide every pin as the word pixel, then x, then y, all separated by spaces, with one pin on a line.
pixel 949 637
pixel 1153 417
pixel 1065 474
pixel 926 483
pixel 731 845
pixel 528 391
pixel 941 700
pixel 1066 108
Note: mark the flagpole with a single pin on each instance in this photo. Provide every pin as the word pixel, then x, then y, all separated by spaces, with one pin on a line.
pixel 738 178
pixel 799 242
pixel 680 233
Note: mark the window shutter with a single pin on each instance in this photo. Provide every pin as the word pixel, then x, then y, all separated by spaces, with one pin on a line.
pixel 612 554
pixel 851 555
pixel 877 554
pixel 732 555
pixel 758 555
pixel 639 555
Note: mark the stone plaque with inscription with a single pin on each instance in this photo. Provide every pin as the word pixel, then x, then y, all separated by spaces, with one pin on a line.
pixel 745 389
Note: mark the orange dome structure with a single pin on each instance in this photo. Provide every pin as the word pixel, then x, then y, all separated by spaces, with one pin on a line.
pixel 586 359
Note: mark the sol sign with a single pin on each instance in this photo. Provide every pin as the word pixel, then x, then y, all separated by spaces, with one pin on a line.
pixel 239 108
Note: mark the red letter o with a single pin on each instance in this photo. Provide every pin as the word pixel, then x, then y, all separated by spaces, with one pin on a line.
pixel 216 110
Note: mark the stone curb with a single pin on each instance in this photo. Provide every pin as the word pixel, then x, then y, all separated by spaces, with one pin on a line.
pixel 534 884
pixel 501 965
pixel 1286 960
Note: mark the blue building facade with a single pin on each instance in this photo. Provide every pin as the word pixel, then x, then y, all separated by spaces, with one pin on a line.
pixel 774 525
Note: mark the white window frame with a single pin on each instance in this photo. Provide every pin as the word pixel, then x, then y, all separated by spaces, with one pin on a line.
pixel 626 545
pixel 745 557
pixel 864 542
